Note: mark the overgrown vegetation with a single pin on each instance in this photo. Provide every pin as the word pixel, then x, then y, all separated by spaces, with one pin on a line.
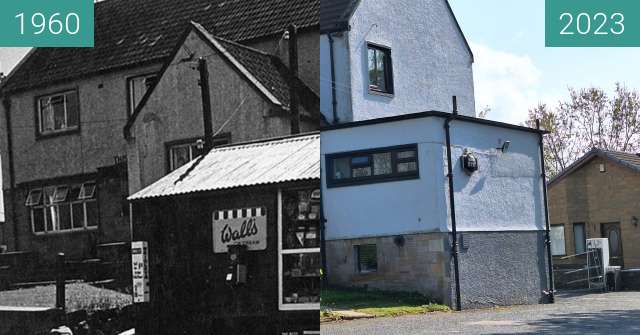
pixel 374 302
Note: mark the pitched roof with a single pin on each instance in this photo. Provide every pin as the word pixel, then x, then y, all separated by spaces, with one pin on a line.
pixel 130 33
pixel 288 159
pixel 626 159
pixel 335 16
pixel 266 72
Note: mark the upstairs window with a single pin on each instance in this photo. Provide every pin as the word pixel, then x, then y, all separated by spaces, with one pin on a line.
pixel 63 208
pixel 58 113
pixel 380 69
pixel 137 87
pixel 370 166
pixel 183 152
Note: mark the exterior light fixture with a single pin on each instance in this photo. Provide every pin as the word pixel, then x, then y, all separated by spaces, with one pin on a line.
pixel 634 220
pixel 469 162
pixel 200 144
pixel 505 146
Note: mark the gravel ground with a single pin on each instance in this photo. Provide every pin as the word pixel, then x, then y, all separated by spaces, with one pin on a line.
pixel 573 313
pixel 78 296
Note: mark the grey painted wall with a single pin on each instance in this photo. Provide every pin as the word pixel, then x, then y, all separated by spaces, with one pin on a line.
pixel 501 268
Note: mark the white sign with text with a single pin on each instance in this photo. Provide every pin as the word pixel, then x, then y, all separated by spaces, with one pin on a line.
pixel 240 226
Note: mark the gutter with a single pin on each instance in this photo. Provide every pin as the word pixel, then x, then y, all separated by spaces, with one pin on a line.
pixel 334 100
pixel 452 204
pixel 6 103
pixel 547 238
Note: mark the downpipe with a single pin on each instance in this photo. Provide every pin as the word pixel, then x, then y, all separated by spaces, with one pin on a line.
pixel 454 231
pixel 547 239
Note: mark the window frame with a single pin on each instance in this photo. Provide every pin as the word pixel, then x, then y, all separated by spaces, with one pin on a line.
pixel 388 70
pixel 359 262
pixel 43 206
pixel 564 239
pixel 130 108
pixel 226 137
pixel 39 133
pixel 393 176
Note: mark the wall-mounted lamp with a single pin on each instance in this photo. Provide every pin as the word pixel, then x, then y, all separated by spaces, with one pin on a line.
pixel 634 220
pixel 505 146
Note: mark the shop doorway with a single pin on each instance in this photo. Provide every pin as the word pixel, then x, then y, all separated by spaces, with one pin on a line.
pixel 612 232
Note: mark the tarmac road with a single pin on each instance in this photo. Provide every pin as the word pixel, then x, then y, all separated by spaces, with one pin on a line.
pixel 573 313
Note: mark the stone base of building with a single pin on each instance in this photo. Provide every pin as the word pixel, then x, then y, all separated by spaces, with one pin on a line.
pixel 496 268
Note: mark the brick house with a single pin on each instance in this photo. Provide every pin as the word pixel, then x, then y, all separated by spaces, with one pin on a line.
pixel 597 196
pixel 64 156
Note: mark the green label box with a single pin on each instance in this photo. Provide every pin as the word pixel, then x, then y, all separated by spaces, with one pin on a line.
pixel 46 23
pixel 592 23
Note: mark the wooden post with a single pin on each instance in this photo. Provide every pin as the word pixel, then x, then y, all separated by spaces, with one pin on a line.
pixel 60 281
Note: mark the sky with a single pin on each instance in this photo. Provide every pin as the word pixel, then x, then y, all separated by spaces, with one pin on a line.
pixel 514 71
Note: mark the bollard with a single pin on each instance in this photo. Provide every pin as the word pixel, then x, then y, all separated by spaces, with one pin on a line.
pixel 60 281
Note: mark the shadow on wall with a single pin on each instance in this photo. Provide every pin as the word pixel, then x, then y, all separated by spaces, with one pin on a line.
pixel 607 321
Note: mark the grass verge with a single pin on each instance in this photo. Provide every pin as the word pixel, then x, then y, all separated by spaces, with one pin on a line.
pixel 376 303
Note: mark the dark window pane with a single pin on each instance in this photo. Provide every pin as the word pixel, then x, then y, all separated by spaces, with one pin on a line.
pixel 360 161
pixel 64 213
pixel 78 215
pixel 380 69
pixel 73 110
pixel 382 164
pixel 60 194
pixel 92 214
pixel 34 198
pixel 37 215
pixel 373 79
pixel 342 168
pixel 88 191
pixel 51 215
pixel 367 258
pixel 74 192
pixel 46 115
pixel 179 156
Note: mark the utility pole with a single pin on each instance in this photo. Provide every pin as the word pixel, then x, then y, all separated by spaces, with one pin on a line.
pixel 206 104
pixel 293 80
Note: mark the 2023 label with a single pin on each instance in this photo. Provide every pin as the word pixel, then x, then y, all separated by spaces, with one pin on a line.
pixel 47 23
pixel 592 23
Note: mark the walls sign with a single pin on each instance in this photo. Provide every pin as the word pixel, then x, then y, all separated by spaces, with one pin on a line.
pixel 246 226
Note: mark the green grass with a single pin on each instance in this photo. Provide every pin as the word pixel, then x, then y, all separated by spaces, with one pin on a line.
pixel 79 296
pixel 377 303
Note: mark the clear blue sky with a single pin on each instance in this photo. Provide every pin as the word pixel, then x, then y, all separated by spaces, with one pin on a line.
pixel 514 69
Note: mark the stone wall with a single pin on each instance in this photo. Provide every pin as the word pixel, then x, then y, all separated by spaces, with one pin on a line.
pixel 420 265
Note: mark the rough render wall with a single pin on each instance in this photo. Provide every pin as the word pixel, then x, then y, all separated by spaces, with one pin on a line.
pixel 421 265
pixel 501 268
pixel 590 197
pixel 342 79
pixel 430 60
pixel 174 112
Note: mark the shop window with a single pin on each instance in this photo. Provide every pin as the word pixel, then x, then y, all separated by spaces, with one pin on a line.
pixel 367 255
pixel 63 208
pixel 183 152
pixel 370 166
pixel 579 238
pixel 380 69
pixel 557 240
pixel 58 113
pixel 137 87
pixel 299 249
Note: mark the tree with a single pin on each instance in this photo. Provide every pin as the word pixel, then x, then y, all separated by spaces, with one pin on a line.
pixel 588 118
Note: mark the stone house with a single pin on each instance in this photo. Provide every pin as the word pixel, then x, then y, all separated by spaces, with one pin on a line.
pixel 64 154
pixel 597 196
pixel 390 200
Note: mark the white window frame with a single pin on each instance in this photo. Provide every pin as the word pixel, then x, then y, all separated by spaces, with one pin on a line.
pixel 66 127
pixel 283 252
pixel 68 202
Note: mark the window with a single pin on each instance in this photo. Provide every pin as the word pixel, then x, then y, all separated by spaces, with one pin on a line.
pixel 557 240
pixel 579 238
pixel 379 66
pixel 58 113
pixel 137 87
pixel 63 208
pixel 185 151
pixel 367 255
pixel 376 165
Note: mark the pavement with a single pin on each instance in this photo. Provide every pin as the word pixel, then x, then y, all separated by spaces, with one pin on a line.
pixel 573 313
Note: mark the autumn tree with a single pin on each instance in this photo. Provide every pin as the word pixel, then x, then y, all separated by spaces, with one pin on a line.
pixel 588 118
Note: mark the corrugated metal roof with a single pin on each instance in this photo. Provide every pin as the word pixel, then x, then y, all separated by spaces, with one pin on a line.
pixel 274 161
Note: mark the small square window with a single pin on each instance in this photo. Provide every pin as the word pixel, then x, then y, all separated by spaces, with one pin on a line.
pixel 34 198
pixel 87 191
pixel 379 66
pixel 58 113
pixel 367 255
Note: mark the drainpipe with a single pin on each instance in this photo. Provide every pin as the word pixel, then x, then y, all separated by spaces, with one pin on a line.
pixel 323 242
pixel 334 99
pixel 206 104
pixel 293 84
pixel 547 238
pixel 6 102
pixel 452 204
